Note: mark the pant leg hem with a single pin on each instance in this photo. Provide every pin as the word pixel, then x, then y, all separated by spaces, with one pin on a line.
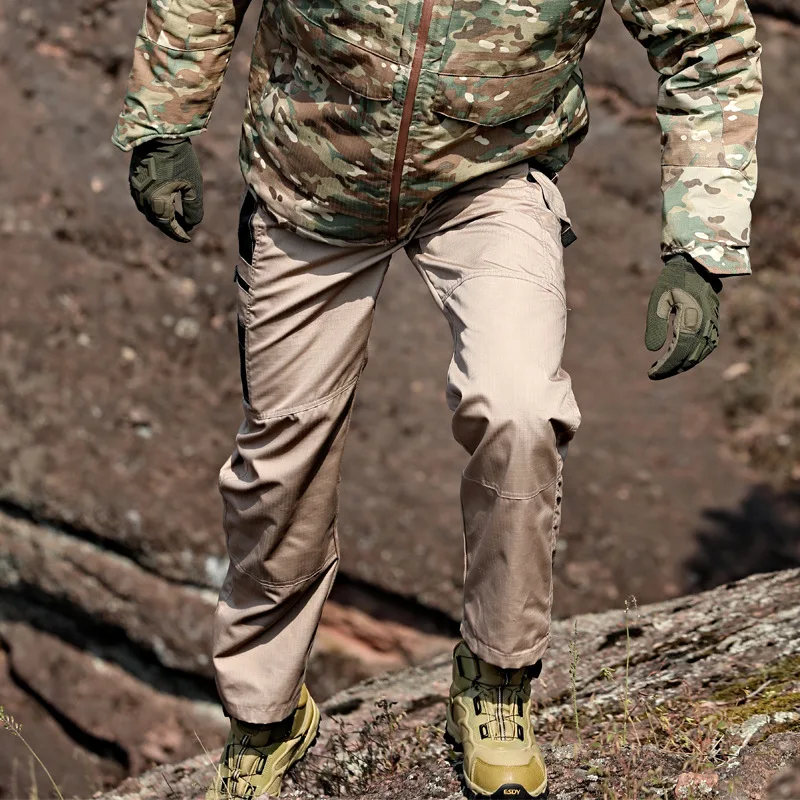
pixel 263 714
pixel 497 658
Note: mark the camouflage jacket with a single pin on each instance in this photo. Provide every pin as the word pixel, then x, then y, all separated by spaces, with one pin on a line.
pixel 360 112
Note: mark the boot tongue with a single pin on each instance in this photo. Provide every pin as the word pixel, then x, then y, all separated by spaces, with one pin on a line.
pixel 262 735
pixel 494 676
pixel 252 728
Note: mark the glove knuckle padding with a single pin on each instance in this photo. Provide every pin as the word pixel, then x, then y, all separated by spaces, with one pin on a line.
pixel 689 312
pixel 159 205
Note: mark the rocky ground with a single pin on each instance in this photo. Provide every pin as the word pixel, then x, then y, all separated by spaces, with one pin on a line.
pixel 119 399
pixel 696 697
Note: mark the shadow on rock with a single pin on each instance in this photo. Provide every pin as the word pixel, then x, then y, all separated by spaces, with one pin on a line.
pixel 762 536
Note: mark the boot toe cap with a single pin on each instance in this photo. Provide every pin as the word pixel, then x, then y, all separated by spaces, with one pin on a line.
pixel 491 778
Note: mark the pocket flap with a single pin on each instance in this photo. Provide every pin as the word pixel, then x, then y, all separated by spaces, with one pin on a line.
pixel 493 99
pixel 363 73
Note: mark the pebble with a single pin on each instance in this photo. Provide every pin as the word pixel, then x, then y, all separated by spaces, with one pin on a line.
pixel 187 328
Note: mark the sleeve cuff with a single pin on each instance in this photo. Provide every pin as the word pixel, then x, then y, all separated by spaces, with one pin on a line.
pixel 706 214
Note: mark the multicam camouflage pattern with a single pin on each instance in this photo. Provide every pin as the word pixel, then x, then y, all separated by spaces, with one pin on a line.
pixel 709 96
pixel 498 82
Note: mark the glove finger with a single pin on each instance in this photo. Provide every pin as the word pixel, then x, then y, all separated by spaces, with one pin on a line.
pixel 170 226
pixel 687 350
pixel 192 214
pixel 703 351
pixel 164 217
pixel 655 334
pixel 192 207
pixel 677 357
pixel 706 345
pixel 174 229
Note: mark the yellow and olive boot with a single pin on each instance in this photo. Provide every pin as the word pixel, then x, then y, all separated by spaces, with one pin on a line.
pixel 256 757
pixel 488 717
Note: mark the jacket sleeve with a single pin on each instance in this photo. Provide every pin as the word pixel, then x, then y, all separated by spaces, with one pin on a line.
pixel 179 61
pixel 708 61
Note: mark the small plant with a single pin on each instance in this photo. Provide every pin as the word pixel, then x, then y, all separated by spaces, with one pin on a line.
pixel 574 660
pixel 11 726
pixel 214 765
pixel 630 603
pixel 352 760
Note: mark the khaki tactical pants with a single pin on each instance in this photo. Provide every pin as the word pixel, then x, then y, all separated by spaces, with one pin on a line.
pixel 491 255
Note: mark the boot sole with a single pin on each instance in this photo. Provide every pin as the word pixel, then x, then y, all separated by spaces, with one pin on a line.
pixel 508 791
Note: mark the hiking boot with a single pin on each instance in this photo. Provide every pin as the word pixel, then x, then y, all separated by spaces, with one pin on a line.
pixel 488 716
pixel 256 757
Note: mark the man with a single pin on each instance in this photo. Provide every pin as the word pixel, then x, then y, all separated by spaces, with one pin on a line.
pixel 437 127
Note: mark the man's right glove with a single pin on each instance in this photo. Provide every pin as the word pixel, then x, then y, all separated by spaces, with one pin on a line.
pixel 167 186
pixel 687 290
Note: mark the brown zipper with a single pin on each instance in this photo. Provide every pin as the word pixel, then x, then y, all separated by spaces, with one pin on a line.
pixel 405 119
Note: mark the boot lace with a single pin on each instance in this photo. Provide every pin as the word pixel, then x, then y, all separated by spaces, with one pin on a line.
pixel 505 707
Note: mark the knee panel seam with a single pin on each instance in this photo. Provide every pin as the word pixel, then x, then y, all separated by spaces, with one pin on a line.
pixel 312 404
pixel 332 559
pixel 510 495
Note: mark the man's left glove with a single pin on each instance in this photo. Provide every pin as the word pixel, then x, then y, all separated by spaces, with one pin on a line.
pixel 167 186
pixel 689 292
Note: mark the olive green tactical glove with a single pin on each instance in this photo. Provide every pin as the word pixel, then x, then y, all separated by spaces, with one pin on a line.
pixel 688 293
pixel 167 186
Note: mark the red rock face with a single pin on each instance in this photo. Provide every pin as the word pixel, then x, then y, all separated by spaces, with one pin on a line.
pixel 119 398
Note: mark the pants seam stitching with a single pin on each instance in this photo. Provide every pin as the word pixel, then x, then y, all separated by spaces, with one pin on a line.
pixel 286 412
pixel 285 584
pixel 510 495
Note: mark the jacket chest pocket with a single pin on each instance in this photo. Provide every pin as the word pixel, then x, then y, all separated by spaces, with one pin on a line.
pixel 376 28
pixel 346 58
pixel 495 100
pixel 516 37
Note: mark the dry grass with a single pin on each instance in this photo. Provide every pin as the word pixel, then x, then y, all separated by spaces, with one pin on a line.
pixel 354 759
pixel 11 726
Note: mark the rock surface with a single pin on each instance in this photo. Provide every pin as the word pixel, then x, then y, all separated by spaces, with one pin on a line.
pixel 710 708
pixel 119 398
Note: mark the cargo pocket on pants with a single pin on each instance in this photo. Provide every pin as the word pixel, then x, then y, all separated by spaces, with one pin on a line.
pixel 554 202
